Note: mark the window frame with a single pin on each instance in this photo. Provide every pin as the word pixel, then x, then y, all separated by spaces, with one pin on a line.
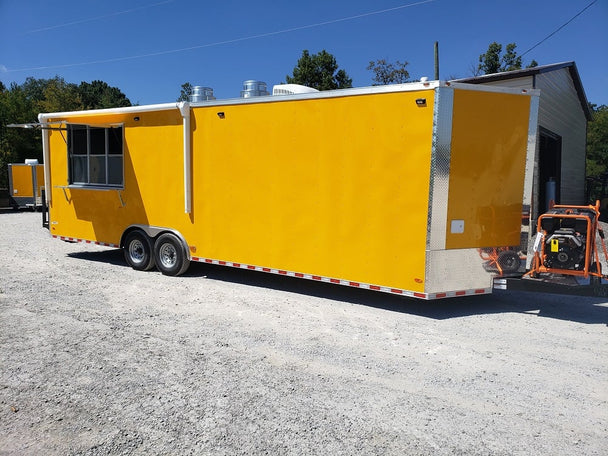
pixel 89 181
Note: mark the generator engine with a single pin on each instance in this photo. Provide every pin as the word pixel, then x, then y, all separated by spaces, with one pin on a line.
pixel 565 241
pixel 565 249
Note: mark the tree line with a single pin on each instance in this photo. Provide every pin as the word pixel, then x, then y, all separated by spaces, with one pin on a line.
pixel 22 103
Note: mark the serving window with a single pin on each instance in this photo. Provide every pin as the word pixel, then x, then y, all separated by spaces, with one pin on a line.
pixel 95 155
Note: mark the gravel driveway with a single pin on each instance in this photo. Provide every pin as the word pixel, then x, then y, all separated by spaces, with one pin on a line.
pixel 99 359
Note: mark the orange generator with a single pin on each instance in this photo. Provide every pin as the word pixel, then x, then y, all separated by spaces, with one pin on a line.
pixel 566 242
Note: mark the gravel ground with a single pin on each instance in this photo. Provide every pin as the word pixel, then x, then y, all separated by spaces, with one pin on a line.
pixel 99 359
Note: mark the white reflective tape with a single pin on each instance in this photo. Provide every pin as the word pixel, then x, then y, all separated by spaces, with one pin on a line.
pixel 314 277
pixel 85 241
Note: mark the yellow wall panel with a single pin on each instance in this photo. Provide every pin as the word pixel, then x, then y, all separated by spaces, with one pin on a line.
pixel 335 187
pixel 489 141
pixel 22 180
pixel 153 180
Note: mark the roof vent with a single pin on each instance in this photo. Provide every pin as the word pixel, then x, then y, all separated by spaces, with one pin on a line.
pixel 200 93
pixel 253 88
pixel 290 89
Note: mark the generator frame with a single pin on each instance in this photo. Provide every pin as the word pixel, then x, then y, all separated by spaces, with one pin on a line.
pixel 589 215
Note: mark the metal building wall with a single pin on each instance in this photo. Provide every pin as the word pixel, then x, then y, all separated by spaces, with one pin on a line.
pixel 560 112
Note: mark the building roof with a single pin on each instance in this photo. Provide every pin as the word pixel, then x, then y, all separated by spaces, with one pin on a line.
pixel 570 66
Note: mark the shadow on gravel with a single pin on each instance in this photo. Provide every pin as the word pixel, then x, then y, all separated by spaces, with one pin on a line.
pixel 572 308
pixel 11 210
pixel 113 256
pixel 581 309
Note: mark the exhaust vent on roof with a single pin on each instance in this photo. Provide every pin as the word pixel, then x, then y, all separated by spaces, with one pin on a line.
pixel 253 88
pixel 290 89
pixel 200 93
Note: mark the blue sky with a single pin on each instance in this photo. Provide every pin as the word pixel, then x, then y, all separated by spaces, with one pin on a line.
pixel 148 48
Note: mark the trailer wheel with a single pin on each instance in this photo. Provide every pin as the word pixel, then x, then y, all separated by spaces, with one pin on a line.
pixel 170 255
pixel 138 251
pixel 509 261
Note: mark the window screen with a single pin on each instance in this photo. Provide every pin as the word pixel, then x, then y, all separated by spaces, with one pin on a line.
pixel 95 155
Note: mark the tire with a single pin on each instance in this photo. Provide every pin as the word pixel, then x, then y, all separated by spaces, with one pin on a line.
pixel 138 251
pixel 509 261
pixel 170 255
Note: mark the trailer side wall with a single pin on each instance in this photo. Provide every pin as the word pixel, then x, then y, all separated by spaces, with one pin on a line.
pixel 152 193
pixel 336 187
pixel 25 181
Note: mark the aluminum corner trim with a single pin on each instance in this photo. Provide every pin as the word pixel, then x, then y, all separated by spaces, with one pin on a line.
pixel 529 178
pixel 440 168
pixel 46 160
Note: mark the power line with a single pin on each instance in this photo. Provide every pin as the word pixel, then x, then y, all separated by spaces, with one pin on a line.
pixel 218 43
pixel 91 19
pixel 559 28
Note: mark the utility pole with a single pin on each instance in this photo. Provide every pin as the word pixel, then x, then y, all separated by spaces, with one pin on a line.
pixel 436 60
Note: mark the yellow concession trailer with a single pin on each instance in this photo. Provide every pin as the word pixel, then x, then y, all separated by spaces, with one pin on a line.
pixel 395 188
pixel 25 182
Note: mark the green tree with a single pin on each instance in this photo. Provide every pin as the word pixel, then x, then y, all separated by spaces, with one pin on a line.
pixel 18 105
pixel 186 91
pixel 494 61
pixel 490 61
pixel 22 103
pixel 99 95
pixel 510 60
pixel 389 73
pixel 597 148
pixel 5 152
pixel 319 71
pixel 57 96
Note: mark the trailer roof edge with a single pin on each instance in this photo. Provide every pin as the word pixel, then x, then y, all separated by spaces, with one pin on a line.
pixel 391 88
pixel 496 89
pixel 126 110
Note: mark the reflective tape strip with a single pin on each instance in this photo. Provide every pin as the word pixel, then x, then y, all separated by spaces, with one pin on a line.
pixel 317 278
pixel 85 241
pixel 452 294
pixel 348 283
